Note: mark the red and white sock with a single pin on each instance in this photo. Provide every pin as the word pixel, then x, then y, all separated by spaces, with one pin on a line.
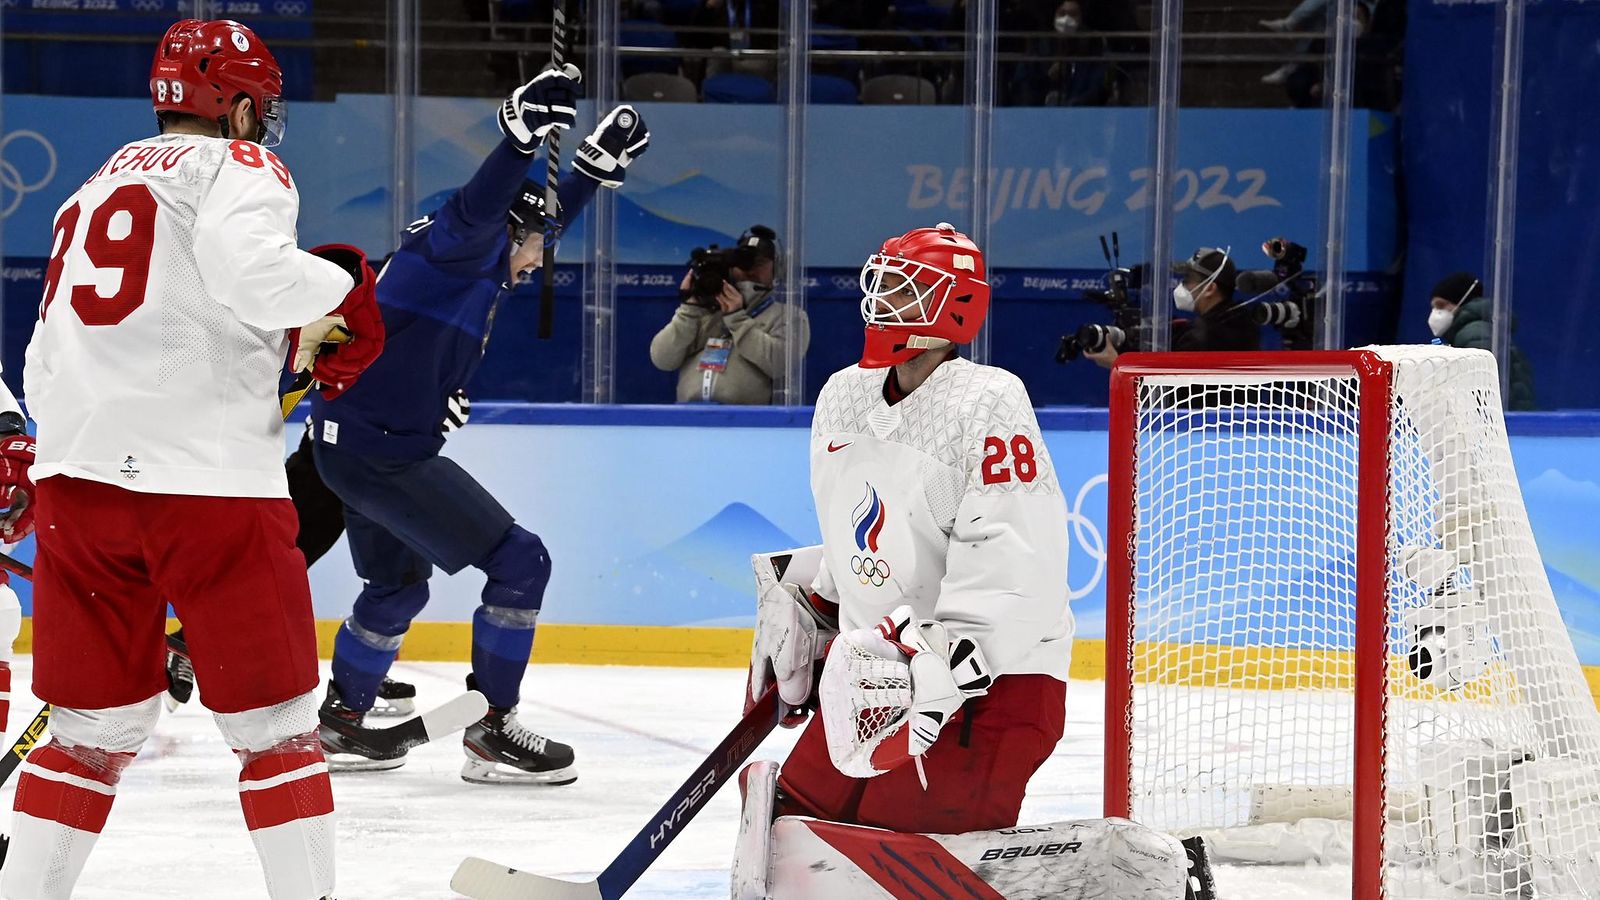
pixel 288 807
pixel 63 797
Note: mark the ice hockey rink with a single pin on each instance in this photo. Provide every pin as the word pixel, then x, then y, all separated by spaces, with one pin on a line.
pixel 176 829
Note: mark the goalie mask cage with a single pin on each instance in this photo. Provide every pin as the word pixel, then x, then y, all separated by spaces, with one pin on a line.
pixel 1324 601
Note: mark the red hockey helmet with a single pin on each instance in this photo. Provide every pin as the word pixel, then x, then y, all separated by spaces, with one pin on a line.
pixel 202 67
pixel 922 289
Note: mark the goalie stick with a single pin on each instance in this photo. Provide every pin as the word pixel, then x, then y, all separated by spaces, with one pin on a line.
pixel 552 176
pixel 481 879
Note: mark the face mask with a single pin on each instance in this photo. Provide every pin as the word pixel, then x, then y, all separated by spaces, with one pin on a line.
pixel 1439 321
pixel 1066 24
pixel 751 292
pixel 1183 299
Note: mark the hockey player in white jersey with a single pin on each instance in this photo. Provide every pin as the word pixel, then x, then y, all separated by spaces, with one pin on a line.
pixel 939 600
pixel 174 293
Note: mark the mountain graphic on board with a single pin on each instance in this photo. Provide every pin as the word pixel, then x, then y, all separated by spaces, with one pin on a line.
pixel 702 578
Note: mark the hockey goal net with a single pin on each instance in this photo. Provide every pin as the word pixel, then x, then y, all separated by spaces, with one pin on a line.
pixel 1330 609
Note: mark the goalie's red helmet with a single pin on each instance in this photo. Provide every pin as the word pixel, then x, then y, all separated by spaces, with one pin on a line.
pixel 922 289
pixel 202 66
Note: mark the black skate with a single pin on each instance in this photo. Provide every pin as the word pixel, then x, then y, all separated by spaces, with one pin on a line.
pixel 343 748
pixel 396 700
pixel 501 750
pixel 180 672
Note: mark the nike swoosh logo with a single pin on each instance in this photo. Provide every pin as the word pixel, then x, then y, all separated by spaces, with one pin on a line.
pixel 833 449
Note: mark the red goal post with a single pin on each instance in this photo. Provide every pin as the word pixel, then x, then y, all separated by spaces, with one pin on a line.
pixel 1325 611
pixel 1375 376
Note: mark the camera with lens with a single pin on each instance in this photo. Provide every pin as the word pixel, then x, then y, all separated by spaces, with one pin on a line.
pixel 1283 297
pixel 1127 330
pixel 708 269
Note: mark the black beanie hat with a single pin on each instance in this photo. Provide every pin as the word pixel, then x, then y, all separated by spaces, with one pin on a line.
pixel 1458 288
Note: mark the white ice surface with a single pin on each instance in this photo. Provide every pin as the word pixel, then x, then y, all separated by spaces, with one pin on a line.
pixel 176 829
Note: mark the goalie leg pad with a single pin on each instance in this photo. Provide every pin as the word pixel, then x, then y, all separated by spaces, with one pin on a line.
pixel 1113 859
pixel 65 793
pixel 758 786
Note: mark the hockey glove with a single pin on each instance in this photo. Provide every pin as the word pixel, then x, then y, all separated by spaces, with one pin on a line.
pixel 618 140
pixel 337 368
pixel 793 628
pixel 888 691
pixel 549 101
pixel 16 486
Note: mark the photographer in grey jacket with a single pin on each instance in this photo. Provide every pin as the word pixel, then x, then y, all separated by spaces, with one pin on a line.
pixel 729 339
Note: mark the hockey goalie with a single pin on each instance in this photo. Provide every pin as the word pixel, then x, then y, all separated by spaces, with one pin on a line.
pixel 929 632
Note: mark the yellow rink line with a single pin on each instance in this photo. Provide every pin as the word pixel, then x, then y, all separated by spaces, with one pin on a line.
pixel 675 645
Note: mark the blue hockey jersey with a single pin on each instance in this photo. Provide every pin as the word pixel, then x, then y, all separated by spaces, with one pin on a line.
pixel 438 293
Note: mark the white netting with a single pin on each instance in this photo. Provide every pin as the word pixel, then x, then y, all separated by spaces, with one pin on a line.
pixel 865 695
pixel 1243 627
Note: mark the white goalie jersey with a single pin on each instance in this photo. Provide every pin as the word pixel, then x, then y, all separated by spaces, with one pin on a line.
pixel 946 501
pixel 172 278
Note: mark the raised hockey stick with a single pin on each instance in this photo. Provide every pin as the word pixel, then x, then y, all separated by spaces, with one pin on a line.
pixel 485 880
pixel 552 177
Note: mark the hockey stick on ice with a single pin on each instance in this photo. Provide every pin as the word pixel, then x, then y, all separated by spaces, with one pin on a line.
pixel 552 176
pixel 484 880
pixel 448 718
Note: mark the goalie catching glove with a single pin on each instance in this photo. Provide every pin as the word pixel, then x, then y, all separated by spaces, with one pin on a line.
pixel 793 628
pixel 888 691
pixel 618 140
pixel 549 101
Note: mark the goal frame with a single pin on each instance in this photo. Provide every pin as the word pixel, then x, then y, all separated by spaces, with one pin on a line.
pixel 1375 377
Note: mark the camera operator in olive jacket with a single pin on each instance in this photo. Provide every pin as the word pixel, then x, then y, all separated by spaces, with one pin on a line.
pixel 1206 290
pixel 732 347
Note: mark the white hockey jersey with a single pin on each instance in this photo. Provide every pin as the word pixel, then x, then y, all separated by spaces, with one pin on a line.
pixel 946 501
pixel 172 278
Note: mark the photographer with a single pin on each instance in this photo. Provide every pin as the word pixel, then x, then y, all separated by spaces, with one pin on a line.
pixel 728 340
pixel 1208 281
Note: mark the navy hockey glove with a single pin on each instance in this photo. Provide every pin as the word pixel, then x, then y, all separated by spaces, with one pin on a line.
pixel 618 140
pixel 549 101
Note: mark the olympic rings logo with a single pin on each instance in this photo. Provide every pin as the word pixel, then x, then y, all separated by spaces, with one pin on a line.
pixel 564 279
pixel 874 572
pixel 1088 537
pixel 148 5
pixel 13 185
pixel 289 8
pixel 843 282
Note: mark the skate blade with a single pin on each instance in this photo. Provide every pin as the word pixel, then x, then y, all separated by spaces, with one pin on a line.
pixel 392 709
pixel 478 771
pixel 352 762
pixel 172 703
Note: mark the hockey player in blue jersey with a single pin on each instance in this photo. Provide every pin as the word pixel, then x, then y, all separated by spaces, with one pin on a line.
pixel 406 508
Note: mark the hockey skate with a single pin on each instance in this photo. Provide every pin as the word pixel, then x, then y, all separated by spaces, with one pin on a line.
pixel 396 699
pixel 501 750
pixel 180 672
pixel 344 750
